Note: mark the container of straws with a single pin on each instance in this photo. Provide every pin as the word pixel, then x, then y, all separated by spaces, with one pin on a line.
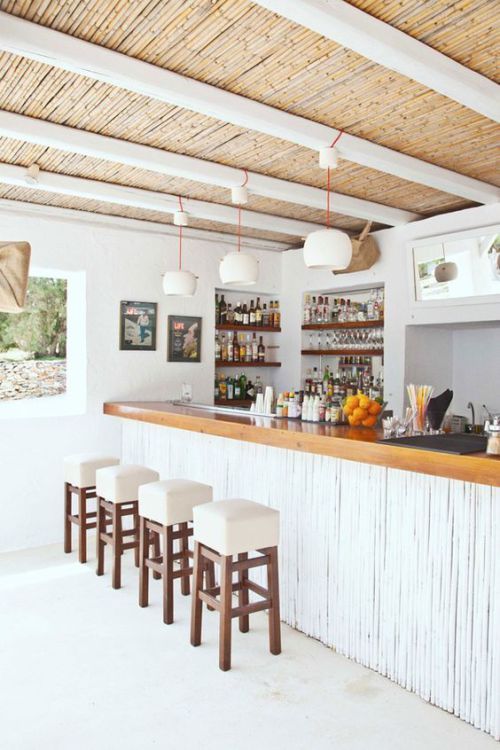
pixel 419 397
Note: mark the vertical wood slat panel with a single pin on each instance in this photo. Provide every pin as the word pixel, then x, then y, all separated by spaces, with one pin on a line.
pixel 397 570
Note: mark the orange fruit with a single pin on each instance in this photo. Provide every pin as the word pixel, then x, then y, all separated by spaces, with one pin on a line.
pixel 352 401
pixel 369 422
pixel 352 421
pixel 364 402
pixel 360 414
pixel 347 410
pixel 374 408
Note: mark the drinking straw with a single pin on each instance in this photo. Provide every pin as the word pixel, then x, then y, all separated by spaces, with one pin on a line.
pixel 419 397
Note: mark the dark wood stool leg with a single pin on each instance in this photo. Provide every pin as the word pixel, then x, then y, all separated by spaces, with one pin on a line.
pixel 155 543
pixel 184 548
pixel 100 529
pixel 67 514
pixel 226 590
pixel 168 576
pixel 117 547
pixel 82 528
pixel 196 603
pixel 209 568
pixel 274 612
pixel 143 568
pixel 135 520
pixel 243 595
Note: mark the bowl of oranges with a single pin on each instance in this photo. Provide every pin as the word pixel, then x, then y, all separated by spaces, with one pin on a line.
pixel 362 411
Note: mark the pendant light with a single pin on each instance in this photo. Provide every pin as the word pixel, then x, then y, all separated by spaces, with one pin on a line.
pixel 239 193
pixel 328 249
pixel 179 283
pixel 447 271
pixel 237 268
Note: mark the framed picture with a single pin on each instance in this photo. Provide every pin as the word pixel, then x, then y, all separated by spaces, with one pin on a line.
pixel 138 326
pixel 184 339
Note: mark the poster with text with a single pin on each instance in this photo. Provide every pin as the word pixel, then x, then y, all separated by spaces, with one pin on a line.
pixel 184 339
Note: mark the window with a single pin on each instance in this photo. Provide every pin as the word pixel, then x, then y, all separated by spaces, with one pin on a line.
pixel 42 350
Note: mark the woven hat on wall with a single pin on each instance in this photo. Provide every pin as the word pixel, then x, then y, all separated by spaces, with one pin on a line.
pixel 14 270
pixel 365 252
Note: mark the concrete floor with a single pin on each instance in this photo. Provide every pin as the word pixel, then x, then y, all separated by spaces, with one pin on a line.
pixel 83 667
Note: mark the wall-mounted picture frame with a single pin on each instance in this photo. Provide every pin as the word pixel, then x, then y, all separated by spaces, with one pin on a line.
pixel 184 339
pixel 138 323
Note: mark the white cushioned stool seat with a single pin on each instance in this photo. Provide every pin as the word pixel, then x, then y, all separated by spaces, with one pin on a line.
pixel 234 526
pixel 120 484
pixel 80 468
pixel 172 501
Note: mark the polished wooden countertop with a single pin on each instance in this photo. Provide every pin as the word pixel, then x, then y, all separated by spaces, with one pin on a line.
pixel 352 444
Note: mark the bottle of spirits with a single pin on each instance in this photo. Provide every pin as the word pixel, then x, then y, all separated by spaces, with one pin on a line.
pixel 243 385
pixel 248 349
pixel 216 388
pixel 230 389
pixel 314 311
pixel 250 390
pixel 222 387
pixel 230 348
pixel 276 315
pixel 370 311
pixel 261 351
pixel 217 310
pixel 237 389
pixel 223 348
pixel 237 314
pixel 243 349
pixel 259 388
pixel 236 348
pixel 229 314
pixel 265 316
pixel 255 348
pixel 258 313
pixel 245 315
pixel 223 310
pixel 319 310
pixel 251 314
pixel 217 347
pixel 326 310
pixel 307 310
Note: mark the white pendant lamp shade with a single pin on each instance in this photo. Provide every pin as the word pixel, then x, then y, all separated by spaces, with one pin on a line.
pixel 328 249
pixel 180 218
pixel 239 269
pixel 179 283
pixel 328 157
pixel 239 194
pixel 446 272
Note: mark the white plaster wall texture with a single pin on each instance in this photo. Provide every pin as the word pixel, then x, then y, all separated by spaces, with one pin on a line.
pixel 396 570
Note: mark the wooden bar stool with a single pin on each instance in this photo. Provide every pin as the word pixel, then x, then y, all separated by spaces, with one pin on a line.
pixel 79 480
pixel 221 531
pixel 165 509
pixel 117 490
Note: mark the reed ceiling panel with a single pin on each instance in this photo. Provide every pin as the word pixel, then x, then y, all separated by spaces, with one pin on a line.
pixel 238 46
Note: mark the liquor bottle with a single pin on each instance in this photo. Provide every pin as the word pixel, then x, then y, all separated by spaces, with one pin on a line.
pixel 237 389
pixel 223 348
pixel 223 310
pixel 326 310
pixel 217 310
pixel 307 310
pixel 319 310
pixel 250 390
pixel 229 314
pixel 251 314
pixel 370 315
pixel 326 377
pixel 222 387
pixel 229 348
pixel 259 388
pixel 217 347
pixel 314 311
pixel 243 349
pixel 261 351
pixel 230 389
pixel 216 388
pixel 255 348
pixel 276 315
pixel 243 385
pixel 248 349
pixel 237 314
pixel 265 316
pixel 258 313
pixel 245 315
pixel 376 309
pixel 236 348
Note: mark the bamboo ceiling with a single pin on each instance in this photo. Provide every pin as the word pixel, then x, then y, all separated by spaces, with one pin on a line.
pixel 238 46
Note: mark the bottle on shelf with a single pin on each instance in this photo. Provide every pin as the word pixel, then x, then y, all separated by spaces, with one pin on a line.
pixel 255 348
pixel 230 349
pixel 276 315
pixel 237 314
pixel 314 311
pixel 222 387
pixel 251 314
pixel 217 310
pixel 258 388
pixel 216 388
pixel 223 311
pixel 261 351
pixel 319 310
pixel 245 315
pixel 223 348
pixel 243 349
pixel 229 314
pixel 306 318
pixel 326 310
pixel 248 349
pixel 258 313
pixel 237 389
pixel 230 389
pixel 217 347
pixel 250 390
pixel 236 348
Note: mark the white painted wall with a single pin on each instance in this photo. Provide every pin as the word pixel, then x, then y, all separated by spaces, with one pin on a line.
pixel 119 264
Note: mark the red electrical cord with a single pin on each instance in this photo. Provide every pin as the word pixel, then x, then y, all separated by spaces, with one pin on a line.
pixel 328 182
pixel 239 228
pixel 180 236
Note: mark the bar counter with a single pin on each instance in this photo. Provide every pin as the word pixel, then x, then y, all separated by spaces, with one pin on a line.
pixel 389 555
pixel 326 440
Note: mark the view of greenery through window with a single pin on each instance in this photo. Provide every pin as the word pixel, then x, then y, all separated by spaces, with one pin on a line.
pixel 33 343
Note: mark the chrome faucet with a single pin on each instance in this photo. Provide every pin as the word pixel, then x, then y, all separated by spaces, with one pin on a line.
pixel 470 406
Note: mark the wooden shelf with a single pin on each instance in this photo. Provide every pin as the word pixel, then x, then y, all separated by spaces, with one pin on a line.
pixel 249 329
pixel 233 402
pixel 244 365
pixel 350 324
pixel 345 352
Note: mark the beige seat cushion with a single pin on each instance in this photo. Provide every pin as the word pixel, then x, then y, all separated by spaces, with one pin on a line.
pixel 120 484
pixel 172 500
pixel 80 468
pixel 234 526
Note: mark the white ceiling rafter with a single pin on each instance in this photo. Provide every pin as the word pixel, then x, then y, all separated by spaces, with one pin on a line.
pixel 152 201
pixel 376 40
pixel 61 137
pixel 51 47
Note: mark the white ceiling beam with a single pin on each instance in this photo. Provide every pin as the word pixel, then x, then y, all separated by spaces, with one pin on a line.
pixel 375 40
pixel 82 142
pixel 51 47
pixel 151 200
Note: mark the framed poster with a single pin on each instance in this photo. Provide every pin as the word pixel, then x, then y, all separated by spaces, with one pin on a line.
pixel 138 326
pixel 184 339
